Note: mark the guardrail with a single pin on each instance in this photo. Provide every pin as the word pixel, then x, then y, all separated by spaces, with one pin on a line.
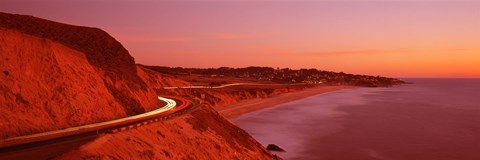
pixel 113 126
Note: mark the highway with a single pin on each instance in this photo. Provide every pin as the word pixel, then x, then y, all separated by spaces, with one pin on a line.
pixel 50 144
pixel 227 85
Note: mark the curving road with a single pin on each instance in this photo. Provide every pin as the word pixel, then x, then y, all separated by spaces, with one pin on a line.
pixel 49 144
pixel 229 85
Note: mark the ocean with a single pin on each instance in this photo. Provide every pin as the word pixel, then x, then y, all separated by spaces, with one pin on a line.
pixel 431 119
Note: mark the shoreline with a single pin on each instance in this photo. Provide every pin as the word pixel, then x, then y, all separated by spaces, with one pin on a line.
pixel 246 106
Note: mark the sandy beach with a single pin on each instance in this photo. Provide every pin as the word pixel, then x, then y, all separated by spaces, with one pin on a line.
pixel 246 106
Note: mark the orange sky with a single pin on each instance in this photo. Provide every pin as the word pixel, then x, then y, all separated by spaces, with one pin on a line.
pixel 401 39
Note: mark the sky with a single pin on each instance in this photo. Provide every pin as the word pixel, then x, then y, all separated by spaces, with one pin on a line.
pixel 390 38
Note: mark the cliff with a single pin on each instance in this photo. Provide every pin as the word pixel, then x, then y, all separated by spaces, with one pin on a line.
pixel 57 76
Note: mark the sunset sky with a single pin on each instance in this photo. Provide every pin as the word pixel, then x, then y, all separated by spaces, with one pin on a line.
pixel 390 38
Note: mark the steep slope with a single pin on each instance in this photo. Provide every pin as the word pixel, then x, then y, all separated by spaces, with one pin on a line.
pixel 47 86
pixel 57 76
pixel 106 55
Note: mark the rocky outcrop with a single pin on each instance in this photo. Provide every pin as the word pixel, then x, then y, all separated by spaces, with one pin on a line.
pixel 273 147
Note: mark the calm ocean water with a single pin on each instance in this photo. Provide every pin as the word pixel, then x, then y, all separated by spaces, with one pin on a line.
pixel 437 119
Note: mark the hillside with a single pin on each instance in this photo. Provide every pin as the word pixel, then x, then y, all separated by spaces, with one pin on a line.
pixel 57 76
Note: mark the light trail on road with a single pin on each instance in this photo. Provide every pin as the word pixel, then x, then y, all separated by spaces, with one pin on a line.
pixel 53 143
pixel 170 105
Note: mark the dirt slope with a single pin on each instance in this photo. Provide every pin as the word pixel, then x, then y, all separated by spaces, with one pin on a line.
pixel 57 75
pixel 47 86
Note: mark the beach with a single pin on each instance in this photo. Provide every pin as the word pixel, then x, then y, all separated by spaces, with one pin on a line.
pixel 246 106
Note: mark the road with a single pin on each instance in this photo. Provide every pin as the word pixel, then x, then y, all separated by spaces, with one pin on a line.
pixel 50 144
pixel 228 85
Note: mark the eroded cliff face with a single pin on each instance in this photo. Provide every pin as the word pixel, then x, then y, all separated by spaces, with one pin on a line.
pixel 58 76
pixel 104 54
pixel 229 96
pixel 47 86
